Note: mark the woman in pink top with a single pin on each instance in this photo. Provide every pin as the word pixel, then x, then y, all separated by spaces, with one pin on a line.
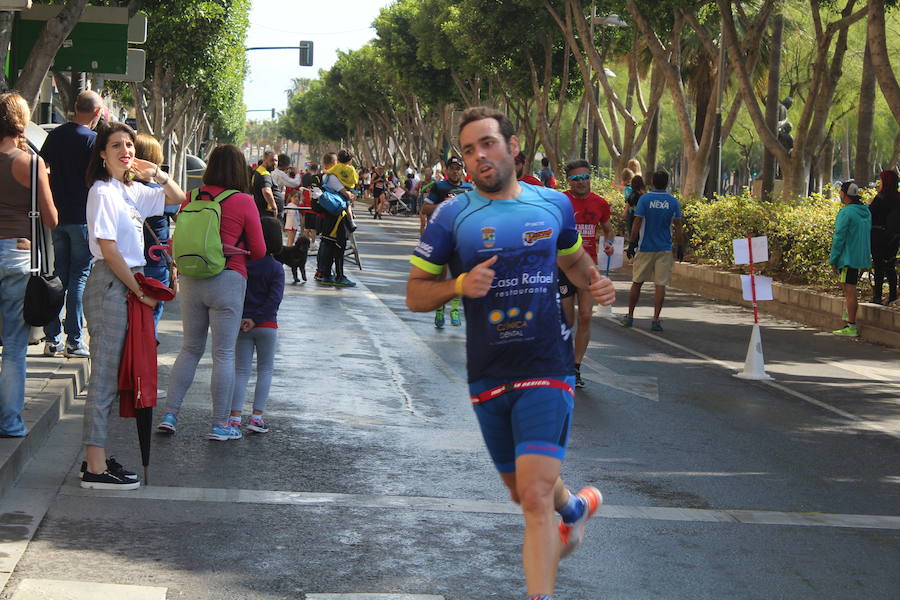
pixel 217 303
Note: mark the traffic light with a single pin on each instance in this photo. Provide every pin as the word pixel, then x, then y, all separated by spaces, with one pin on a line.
pixel 306 54
pixel 273 114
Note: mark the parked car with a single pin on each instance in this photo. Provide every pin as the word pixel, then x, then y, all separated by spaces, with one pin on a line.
pixel 195 168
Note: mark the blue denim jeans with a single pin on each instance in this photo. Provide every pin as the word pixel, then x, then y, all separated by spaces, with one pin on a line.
pixel 160 274
pixel 14 271
pixel 72 264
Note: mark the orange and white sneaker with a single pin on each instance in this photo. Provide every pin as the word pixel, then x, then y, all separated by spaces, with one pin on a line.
pixel 571 534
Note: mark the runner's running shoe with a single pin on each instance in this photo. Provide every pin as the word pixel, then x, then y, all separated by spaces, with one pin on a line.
pixel 454 318
pixel 439 318
pixel 167 425
pixel 579 382
pixel 848 331
pixel 656 325
pixel 344 282
pixel 627 321
pixel 571 534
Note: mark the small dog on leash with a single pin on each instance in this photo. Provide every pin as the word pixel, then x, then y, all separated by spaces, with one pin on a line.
pixel 295 256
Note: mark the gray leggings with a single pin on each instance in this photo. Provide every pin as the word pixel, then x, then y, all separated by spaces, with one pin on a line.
pixel 106 310
pixel 262 339
pixel 217 304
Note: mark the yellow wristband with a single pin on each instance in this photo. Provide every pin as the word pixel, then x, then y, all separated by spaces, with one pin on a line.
pixel 458 287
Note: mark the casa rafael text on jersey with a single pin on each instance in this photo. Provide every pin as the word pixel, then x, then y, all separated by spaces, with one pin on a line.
pixel 516 331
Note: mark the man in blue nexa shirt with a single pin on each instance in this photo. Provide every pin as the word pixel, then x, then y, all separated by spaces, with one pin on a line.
pixel 503 242
pixel 654 216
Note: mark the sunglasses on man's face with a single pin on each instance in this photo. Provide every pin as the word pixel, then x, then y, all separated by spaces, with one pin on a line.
pixel 580 177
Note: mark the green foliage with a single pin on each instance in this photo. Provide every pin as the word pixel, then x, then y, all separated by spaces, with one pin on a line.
pixel 201 43
pixel 799 233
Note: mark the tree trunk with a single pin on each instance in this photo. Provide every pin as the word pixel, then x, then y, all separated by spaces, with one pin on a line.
pixel 881 64
pixel 772 103
pixel 845 153
pixel 826 163
pixel 862 170
pixel 51 38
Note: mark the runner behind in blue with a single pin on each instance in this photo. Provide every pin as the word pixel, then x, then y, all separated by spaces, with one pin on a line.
pixel 503 243
pixel 441 191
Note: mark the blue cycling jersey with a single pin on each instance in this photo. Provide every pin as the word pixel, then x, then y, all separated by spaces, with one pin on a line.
pixel 444 190
pixel 517 330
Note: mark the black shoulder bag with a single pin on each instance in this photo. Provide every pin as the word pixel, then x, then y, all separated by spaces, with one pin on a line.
pixel 44 294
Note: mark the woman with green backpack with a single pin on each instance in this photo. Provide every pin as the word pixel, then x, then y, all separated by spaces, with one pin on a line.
pixel 217 232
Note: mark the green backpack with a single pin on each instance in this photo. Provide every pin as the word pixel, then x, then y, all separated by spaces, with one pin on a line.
pixel 197 245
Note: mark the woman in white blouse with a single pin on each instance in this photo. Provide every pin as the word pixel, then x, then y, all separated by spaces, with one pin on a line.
pixel 116 209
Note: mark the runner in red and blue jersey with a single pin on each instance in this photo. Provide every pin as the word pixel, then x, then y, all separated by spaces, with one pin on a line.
pixel 503 242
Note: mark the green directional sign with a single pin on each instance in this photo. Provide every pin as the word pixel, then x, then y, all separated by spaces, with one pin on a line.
pixel 97 44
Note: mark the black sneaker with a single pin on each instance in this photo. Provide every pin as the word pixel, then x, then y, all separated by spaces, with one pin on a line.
pixel 107 481
pixel 579 382
pixel 114 467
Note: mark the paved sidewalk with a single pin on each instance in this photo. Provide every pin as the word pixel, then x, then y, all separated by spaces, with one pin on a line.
pixel 50 387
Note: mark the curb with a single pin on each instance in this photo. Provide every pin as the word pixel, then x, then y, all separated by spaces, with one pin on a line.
pixel 51 385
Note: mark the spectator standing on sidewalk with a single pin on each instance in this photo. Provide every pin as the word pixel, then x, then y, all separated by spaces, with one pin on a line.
pixel 885 209
pixel 67 151
pixel 503 242
pixel 336 230
pixel 15 253
pixel 147 148
pixel 259 331
pixel 216 303
pixel 591 216
pixel 283 177
pixel 311 219
pixel 522 174
pixel 116 209
pixel 654 216
pixel 851 250
pixel 263 186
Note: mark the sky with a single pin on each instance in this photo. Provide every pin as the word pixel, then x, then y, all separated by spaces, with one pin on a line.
pixel 331 25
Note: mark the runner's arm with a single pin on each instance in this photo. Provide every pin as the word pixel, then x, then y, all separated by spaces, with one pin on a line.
pixel 608 237
pixel 636 227
pixel 580 269
pixel 270 200
pixel 426 291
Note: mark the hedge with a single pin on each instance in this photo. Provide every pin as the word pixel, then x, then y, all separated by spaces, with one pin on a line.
pixel 799 232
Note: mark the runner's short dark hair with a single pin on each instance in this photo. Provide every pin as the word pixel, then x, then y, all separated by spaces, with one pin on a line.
pixel 545 162
pixel 578 163
pixel 660 180
pixel 477 113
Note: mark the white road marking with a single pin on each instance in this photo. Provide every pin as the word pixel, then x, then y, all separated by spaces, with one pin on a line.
pixel 56 589
pixel 463 505
pixel 646 387
pixel 859 421
pixel 372 597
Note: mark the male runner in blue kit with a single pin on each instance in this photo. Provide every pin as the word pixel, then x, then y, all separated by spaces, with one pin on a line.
pixel 503 243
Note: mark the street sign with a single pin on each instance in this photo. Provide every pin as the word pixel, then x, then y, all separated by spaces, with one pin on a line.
pixel 97 44
pixel 137 29
pixel 137 67
pixel 15 4
pixel 306 54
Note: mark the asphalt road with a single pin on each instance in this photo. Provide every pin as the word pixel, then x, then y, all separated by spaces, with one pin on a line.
pixel 373 479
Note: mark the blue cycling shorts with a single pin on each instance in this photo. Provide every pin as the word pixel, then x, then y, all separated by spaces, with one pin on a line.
pixel 527 421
